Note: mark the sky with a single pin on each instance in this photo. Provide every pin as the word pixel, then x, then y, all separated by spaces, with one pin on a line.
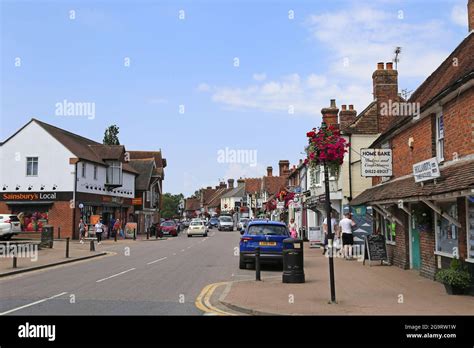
pixel 206 80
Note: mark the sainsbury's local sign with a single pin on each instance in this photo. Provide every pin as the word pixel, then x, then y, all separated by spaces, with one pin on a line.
pixel 426 170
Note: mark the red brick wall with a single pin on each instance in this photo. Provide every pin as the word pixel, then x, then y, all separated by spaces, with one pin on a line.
pixel 399 253
pixel 458 116
pixel 428 258
pixel 60 215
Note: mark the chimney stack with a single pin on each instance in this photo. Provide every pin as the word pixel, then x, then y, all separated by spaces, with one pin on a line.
pixel 330 114
pixel 385 84
pixel 240 182
pixel 222 185
pixel 230 183
pixel 284 166
pixel 209 187
pixel 347 116
pixel 470 14
pixel 269 171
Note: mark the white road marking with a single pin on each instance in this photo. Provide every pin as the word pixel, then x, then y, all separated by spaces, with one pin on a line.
pixel 115 275
pixel 32 304
pixel 163 258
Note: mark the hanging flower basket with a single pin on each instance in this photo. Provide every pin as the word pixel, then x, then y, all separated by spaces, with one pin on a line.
pixel 326 147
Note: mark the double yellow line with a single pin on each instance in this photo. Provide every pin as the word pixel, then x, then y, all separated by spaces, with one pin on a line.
pixel 203 300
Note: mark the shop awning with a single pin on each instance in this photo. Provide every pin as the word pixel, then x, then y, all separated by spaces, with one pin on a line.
pixel 455 179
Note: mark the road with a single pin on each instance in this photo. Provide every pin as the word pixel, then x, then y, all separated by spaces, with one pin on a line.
pixel 155 277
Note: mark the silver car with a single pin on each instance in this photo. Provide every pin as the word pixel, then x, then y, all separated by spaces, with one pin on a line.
pixel 197 227
pixel 225 223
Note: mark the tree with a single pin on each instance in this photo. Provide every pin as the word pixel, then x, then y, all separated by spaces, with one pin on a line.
pixel 111 136
pixel 170 205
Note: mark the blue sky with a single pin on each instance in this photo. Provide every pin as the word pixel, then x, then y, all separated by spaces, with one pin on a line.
pixel 328 50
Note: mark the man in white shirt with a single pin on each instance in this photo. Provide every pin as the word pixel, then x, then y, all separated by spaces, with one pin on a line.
pixel 334 230
pixel 346 225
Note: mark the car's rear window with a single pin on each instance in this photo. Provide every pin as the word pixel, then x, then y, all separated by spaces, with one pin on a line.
pixel 167 223
pixel 225 219
pixel 260 230
pixel 197 223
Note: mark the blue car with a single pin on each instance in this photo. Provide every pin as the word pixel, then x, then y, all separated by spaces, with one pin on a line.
pixel 268 235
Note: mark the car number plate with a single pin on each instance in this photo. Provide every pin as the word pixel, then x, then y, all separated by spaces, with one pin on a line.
pixel 267 243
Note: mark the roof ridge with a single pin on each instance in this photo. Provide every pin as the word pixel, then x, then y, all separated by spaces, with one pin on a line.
pixel 42 124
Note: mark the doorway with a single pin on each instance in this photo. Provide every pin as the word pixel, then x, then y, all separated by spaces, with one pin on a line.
pixel 415 261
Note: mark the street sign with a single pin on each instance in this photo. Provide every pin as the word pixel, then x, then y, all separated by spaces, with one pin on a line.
pixel 315 236
pixel 376 162
pixel 426 170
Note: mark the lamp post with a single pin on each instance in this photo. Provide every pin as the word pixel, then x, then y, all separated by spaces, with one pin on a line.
pixel 329 227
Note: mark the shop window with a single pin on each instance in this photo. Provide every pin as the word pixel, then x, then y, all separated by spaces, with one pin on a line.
pixel 31 166
pixel 446 232
pixel 440 137
pixel 386 228
pixel 470 227
pixel 32 218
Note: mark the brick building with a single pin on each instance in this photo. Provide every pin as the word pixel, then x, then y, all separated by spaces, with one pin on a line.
pixel 426 208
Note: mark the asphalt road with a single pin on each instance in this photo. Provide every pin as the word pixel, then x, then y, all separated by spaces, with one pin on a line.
pixel 155 277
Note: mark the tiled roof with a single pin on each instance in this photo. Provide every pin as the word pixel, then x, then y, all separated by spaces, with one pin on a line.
pixel 447 74
pixel 160 161
pixel 207 195
pixel 253 185
pixel 272 184
pixel 144 167
pixel 235 192
pixel 216 199
pixel 365 122
pixel 455 177
pixel 192 204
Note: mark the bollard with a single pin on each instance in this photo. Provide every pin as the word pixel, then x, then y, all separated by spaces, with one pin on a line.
pixel 148 233
pixel 92 245
pixel 59 232
pixel 67 247
pixel 115 235
pixel 257 263
pixel 134 234
pixel 14 261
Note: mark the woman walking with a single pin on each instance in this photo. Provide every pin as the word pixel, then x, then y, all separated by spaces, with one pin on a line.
pixel 82 230
pixel 99 228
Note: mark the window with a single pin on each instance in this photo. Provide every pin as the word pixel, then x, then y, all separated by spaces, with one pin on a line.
pixel 83 170
pixel 147 196
pixel 386 228
pixel 95 171
pixel 447 233
pixel 317 175
pixel 114 173
pixel 440 137
pixel 470 228
pixel 31 166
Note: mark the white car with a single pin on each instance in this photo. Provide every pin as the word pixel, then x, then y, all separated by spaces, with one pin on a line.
pixel 197 227
pixel 9 226
pixel 225 223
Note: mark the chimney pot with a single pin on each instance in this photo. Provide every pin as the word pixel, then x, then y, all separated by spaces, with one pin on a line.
pixel 333 103
pixel 230 183
pixel 389 66
pixel 269 171
pixel 344 107
pixel 380 66
pixel 470 15
pixel 351 107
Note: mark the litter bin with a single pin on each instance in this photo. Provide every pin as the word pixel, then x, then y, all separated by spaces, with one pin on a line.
pixel 47 236
pixel 293 271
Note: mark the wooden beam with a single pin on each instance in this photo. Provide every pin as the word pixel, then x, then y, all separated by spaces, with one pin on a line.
pixel 388 215
pixel 438 210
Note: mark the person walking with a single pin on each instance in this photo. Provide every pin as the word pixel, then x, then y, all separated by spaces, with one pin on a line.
pixel 334 230
pixel 116 227
pixel 82 230
pixel 99 228
pixel 293 227
pixel 346 226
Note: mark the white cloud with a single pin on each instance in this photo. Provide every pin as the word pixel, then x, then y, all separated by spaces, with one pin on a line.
pixel 259 77
pixel 157 101
pixel 203 87
pixel 459 15
pixel 236 171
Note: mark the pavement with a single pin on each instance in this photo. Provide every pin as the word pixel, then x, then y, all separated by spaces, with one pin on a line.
pixel 360 290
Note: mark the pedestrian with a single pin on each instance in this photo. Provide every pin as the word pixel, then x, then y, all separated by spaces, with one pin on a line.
pixel 111 227
pixel 82 230
pixel 346 226
pixel 99 228
pixel 116 227
pixel 293 227
pixel 334 230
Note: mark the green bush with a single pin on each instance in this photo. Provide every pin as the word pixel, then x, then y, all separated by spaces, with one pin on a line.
pixel 456 276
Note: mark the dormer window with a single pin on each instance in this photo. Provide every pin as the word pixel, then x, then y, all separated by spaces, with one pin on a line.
pixel 114 173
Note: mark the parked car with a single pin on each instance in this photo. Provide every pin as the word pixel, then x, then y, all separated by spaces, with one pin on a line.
pixel 213 222
pixel 269 236
pixel 197 228
pixel 243 223
pixel 9 226
pixel 225 223
pixel 169 228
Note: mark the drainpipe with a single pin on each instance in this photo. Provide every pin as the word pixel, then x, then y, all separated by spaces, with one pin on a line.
pixel 350 169
pixel 74 200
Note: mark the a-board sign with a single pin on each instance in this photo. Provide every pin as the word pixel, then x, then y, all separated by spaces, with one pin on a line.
pixel 375 248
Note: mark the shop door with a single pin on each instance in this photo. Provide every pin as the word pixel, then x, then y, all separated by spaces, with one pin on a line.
pixel 415 245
